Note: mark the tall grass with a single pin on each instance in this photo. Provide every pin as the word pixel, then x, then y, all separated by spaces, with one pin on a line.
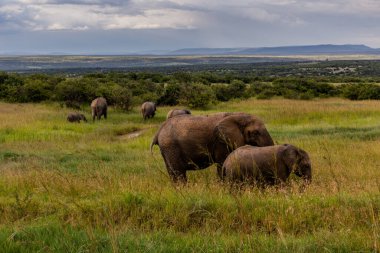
pixel 84 187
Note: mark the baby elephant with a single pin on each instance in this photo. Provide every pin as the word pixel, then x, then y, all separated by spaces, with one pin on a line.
pixel 266 165
pixel 176 112
pixel 76 117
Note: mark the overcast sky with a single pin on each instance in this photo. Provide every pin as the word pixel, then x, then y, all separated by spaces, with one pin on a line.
pixel 117 26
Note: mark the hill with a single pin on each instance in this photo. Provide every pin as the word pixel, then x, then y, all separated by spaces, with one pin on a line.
pixel 285 50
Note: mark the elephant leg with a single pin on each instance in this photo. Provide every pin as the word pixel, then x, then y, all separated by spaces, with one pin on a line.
pixel 175 166
pixel 105 114
pixel 221 172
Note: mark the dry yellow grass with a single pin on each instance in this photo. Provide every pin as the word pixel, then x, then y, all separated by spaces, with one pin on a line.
pixel 83 184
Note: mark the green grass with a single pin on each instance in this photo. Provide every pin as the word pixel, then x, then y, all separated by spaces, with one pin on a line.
pixel 95 187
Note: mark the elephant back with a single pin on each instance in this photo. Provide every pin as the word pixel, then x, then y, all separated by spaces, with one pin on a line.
pixel 100 101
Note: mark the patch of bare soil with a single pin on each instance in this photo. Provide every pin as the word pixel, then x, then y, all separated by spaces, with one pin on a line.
pixel 131 135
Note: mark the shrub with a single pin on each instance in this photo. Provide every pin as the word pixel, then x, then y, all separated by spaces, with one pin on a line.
pixel 225 92
pixel 76 91
pixel 36 91
pixel 266 94
pixel 221 91
pixel 197 95
pixel 361 91
pixel 121 97
pixel 256 88
pixel 237 88
pixel 171 94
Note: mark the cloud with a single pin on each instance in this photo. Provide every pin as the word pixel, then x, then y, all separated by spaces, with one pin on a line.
pixel 94 14
pixel 173 14
pixel 192 23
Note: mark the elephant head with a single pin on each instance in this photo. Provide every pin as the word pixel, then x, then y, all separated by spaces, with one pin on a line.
pixel 83 117
pixel 297 161
pixel 240 129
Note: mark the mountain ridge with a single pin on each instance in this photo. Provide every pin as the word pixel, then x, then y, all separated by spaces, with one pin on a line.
pixel 281 50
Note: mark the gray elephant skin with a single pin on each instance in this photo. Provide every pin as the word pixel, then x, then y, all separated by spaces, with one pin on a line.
pixel 266 165
pixel 196 142
pixel 99 108
pixel 175 112
pixel 148 110
pixel 76 117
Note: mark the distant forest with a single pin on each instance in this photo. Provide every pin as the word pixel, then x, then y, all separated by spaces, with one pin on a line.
pixel 195 86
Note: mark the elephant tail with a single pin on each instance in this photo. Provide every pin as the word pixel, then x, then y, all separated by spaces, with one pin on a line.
pixel 154 142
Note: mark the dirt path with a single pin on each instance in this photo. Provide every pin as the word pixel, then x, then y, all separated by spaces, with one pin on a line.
pixel 131 135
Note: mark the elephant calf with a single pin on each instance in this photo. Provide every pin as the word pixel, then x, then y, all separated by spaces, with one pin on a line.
pixel 176 112
pixel 76 117
pixel 266 165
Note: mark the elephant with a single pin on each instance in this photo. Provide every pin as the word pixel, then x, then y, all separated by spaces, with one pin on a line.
pixel 148 110
pixel 266 165
pixel 196 142
pixel 99 108
pixel 176 112
pixel 76 117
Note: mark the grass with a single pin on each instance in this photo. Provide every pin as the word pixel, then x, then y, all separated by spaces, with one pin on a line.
pixel 68 187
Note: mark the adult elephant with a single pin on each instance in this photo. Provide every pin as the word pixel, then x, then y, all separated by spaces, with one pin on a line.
pixel 176 112
pixel 192 143
pixel 99 108
pixel 267 165
pixel 148 110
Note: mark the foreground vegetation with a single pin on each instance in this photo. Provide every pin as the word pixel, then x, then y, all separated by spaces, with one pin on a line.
pixel 95 187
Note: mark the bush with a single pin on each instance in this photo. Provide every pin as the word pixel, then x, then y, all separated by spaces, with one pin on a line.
pixel 237 89
pixel 36 91
pixel 121 97
pixel 256 88
pixel 267 94
pixel 11 88
pixel 302 86
pixel 221 91
pixel 197 95
pixel 171 94
pixel 76 91
pixel 361 91
pixel 225 92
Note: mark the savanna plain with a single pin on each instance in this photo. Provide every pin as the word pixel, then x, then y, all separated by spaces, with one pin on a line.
pixel 95 187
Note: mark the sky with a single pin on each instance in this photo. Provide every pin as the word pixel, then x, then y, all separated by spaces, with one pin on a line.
pixel 117 26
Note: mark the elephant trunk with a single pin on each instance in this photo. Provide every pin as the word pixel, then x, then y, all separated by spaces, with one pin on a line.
pixel 305 174
pixel 307 178
pixel 266 140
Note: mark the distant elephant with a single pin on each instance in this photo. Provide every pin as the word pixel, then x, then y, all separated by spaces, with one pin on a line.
pixel 176 112
pixel 76 117
pixel 266 165
pixel 148 110
pixel 196 142
pixel 99 108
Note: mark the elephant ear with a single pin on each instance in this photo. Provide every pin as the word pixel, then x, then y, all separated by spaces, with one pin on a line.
pixel 229 132
pixel 291 155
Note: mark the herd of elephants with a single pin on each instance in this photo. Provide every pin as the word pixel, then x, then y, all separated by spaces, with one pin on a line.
pixel 237 143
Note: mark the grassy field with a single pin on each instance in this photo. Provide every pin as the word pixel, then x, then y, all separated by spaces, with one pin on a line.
pixel 95 187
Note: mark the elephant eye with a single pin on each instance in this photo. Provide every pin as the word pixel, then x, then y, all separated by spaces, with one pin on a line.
pixel 253 133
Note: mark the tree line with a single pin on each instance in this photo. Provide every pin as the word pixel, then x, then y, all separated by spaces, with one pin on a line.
pixel 192 89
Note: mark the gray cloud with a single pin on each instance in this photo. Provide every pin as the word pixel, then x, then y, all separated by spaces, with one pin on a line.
pixel 193 23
